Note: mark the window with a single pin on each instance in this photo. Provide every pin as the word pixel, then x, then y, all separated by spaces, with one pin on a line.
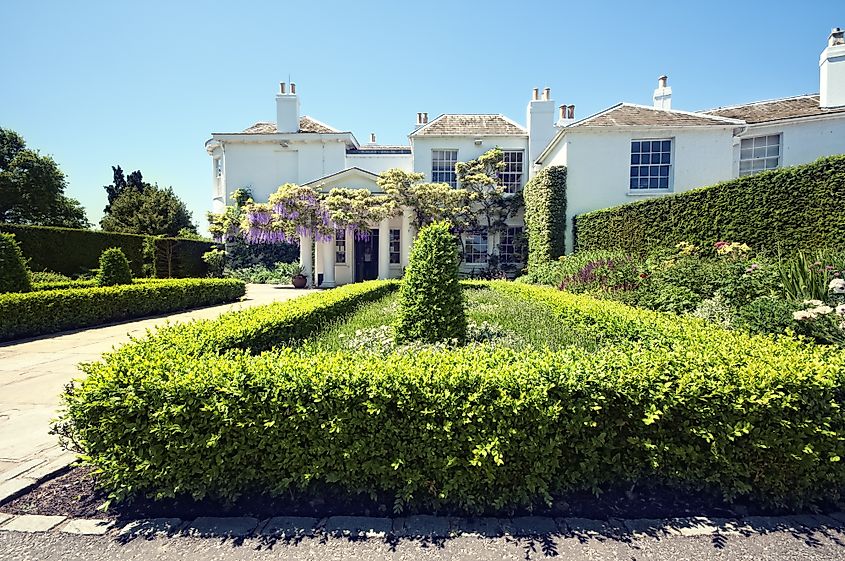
pixel 340 246
pixel 443 167
pixel 509 247
pixel 511 174
pixel 395 250
pixel 759 154
pixel 651 164
pixel 475 247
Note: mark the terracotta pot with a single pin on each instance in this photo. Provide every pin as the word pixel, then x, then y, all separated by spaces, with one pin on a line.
pixel 299 281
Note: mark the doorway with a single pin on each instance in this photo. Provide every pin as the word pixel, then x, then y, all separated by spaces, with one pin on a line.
pixel 366 257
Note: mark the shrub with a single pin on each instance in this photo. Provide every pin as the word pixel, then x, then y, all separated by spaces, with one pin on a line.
pixel 431 305
pixel 786 209
pixel 14 276
pixel 215 260
pixel 48 311
pixel 49 277
pixel 545 216
pixel 114 268
pixel 680 402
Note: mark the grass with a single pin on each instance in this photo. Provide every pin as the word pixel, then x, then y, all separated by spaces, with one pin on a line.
pixel 494 319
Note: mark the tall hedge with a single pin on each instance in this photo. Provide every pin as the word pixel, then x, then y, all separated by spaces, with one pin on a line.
pixel 14 276
pixel 545 215
pixel 786 209
pixel 71 251
pixel 431 305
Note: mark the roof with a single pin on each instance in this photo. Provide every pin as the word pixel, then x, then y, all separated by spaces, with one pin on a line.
pixel 470 125
pixel 306 124
pixel 776 109
pixel 632 115
pixel 348 171
pixel 379 149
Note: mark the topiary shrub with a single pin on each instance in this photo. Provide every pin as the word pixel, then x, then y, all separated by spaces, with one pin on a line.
pixel 545 216
pixel 431 305
pixel 14 276
pixel 114 268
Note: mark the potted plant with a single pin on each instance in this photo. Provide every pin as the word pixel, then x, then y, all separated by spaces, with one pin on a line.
pixel 295 273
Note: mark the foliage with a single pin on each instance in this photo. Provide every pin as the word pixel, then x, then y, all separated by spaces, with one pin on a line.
pixel 121 184
pixel 806 275
pixel 75 252
pixel 477 428
pixel 545 218
pixel 280 273
pixel 14 275
pixel 216 260
pixel 431 306
pixel 487 195
pixel 152 211
pixel 49 277
pixel 429 202
pixel 767 314
pixel 32 187
pixel 114 268
pixel 48 311
pixel 824 321
pixel 782 210
pixel 716 310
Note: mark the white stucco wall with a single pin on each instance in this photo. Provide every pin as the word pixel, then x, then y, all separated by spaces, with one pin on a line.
pixel 801 142
pixel 378 163
pixel 598 164
pixel 466 147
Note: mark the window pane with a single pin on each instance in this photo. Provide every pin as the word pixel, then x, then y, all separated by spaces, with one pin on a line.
pixel 664 182
pixel 667 145
pixel 655 146
pixel 772 150
pixel 746 153
pixel 747 144
pixel 664 171
pixel 635 171
pixel 635 146
pixel 635 158
pixel 634 183
pixel 652 183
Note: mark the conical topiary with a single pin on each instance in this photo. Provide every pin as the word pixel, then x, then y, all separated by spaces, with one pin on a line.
pixel 431 304
pixel 114 268
pixel 14 276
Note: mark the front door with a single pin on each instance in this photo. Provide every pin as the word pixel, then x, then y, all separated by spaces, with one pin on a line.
pixel 366 257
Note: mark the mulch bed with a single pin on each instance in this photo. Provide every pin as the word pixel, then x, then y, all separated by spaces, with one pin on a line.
pixel 75 494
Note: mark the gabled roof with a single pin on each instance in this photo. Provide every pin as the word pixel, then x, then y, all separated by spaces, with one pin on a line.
pixel 633 115
pixel 776 109
pixel 471 125
pixel 343 173
pixel 306 124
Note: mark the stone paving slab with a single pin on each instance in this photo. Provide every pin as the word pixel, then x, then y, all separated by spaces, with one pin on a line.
pixel 289 526
pixel 367 526
pixel 87 526
pixel 422 526
pixel 32 523
pixel 230 527
pixel 151 527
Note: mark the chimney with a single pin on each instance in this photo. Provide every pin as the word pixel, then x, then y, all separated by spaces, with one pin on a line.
pixel 372 138
pixel 540 122
pixel 663 94
pixel 425 118
pixel 566 115
pixel 287 109
pixel 536 94
pixel 832 71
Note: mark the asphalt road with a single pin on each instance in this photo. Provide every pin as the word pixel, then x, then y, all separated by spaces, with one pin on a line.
pixel 777 546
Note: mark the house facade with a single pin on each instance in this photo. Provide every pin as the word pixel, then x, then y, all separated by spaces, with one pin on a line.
pixel 619 155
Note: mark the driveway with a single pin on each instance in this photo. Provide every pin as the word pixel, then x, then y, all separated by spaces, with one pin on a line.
pixel 33 373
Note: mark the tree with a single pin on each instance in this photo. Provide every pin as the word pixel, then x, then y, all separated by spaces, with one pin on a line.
pixel 480 178
pixel 32 187
pixel 121 184
pixel 430 202
pixel 152 211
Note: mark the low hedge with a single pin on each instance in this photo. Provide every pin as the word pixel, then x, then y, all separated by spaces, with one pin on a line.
pixel 47 311
pixel 474 428
pixel 791 208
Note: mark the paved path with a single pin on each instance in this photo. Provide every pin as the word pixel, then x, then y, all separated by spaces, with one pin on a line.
pixel 33 373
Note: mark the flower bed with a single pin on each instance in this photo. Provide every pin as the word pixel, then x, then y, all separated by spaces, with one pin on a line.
pixel 47 311
pixel 195 411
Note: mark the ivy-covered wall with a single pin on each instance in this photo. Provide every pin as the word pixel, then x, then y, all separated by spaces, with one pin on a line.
pixel 796 207
pixel 72 252
pixel 545 215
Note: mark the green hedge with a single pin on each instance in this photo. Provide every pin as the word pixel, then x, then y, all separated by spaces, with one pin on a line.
pixel 675 400
pixel 786 209
pixel 71 252
pixel 47 311
pixel 545 215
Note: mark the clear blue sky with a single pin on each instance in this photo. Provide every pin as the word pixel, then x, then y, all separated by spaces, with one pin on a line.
pixel 143 84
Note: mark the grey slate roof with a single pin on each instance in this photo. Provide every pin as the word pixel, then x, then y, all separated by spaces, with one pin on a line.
pixel 470 125
pixel 631 115
pixel 776 109
pixel 306 124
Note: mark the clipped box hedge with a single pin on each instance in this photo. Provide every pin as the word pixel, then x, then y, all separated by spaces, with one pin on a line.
pixel 545 215
pixel 676 401
pixel 786 209
pixel 47 311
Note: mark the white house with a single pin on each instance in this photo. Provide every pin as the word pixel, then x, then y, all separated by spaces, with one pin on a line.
pixel 618 155
pixel 629 151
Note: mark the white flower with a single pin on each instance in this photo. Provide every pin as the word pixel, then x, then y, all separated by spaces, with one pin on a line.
pixel 837 286
pixel 802 315
pixel 821 310
pixel 813 302
pixel 840 309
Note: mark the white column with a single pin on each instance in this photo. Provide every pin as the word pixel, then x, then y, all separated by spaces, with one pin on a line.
pixel 406 235
pixel 305 256
pixel 384 249
pixel 328 251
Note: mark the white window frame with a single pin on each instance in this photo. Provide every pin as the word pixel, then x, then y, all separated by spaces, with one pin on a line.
pixel 438 173
pixel 759 155
pixel 395 246
pixel 476 247
pixel 670 178
pixel 340 247
pixel 512 180
pixel 508 254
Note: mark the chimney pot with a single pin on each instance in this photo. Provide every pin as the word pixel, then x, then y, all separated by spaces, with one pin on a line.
pixel 372 138
pixel 571 112
pixel 425 118
pixel 281 87
pixel 547 92
pixel 536 94
pixel 661 82
pixel 292 88
pixel 562 112
pixel 837 37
